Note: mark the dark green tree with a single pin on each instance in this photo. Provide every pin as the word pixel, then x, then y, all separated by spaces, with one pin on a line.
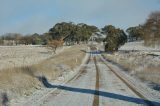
pixel 115 38
pixel 61 30
pixel 135 32
pixel 36 39
pixel 1 41
pixel 72 32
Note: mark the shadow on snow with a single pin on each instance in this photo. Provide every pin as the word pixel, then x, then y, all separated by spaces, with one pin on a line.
pixel 92 52
pixel 45 82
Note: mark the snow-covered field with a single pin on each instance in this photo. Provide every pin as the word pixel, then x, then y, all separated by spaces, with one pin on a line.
pixel 95 84
pixel 40 95
pixel 24 81
pixel 139 46
pixel 78 86
pixel 139 61
pixel 17 56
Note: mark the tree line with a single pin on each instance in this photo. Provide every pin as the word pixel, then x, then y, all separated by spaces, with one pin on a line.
pixel 149 31
pixel 16 39
pixel 71 33
pixel 68 31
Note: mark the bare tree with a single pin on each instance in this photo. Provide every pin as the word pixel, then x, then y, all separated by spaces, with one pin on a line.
pixel 54 44
pixel 152 29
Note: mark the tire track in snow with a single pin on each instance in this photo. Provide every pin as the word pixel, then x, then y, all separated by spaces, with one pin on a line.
pixel 149 103
pixel 96 95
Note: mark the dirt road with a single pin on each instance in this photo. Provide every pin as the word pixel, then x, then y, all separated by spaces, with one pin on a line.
pixel 97 84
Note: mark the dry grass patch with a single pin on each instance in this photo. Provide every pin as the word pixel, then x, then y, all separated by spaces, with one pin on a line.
pixel 123 62
pixel 17 82
pixel 23 80
pixel 65 61
pixel 150 74
pixel 147 68
pixel 18 56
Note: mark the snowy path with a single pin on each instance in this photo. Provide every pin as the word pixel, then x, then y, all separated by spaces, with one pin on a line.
pixel 96 85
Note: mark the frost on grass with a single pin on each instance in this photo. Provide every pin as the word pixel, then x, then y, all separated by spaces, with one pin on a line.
pixel 22 81
pixel 140 61
pixel 17 56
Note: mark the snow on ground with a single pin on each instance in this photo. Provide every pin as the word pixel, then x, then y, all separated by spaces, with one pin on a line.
pixel 23 55
pixel 111 84
pixel 22 81
pixel 140 87
pixel 138 45
pixel 80 91
pixel 140 61
pixel 38 96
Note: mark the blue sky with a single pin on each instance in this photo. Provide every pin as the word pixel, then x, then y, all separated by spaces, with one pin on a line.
pixel 37 16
